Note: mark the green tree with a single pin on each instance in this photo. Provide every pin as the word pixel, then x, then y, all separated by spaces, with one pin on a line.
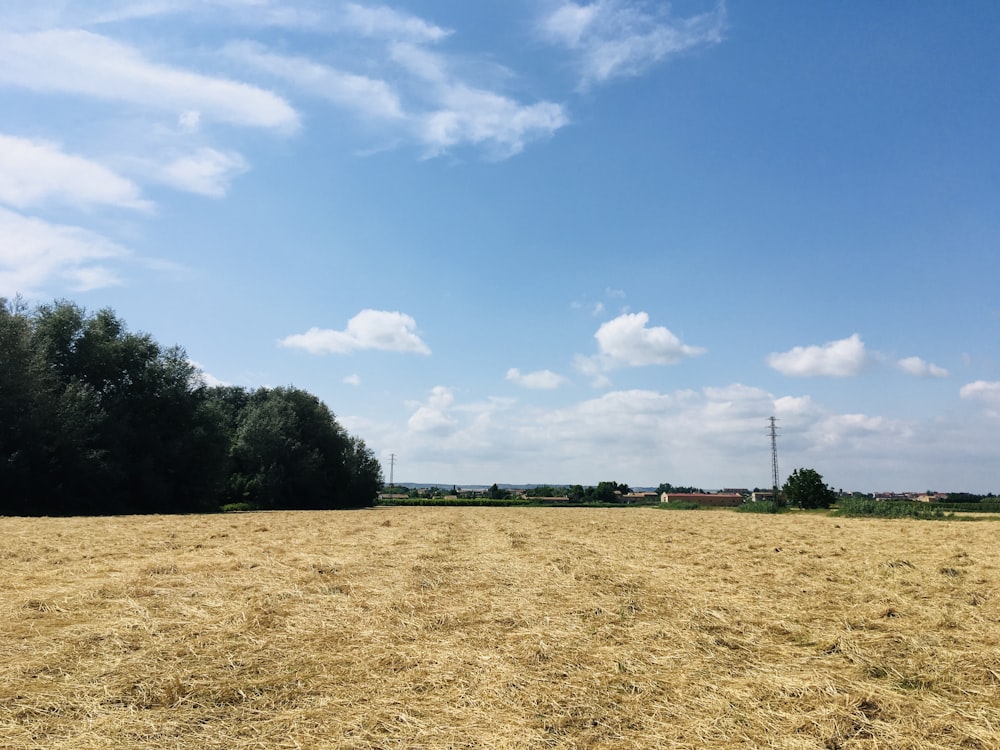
pixel 806 489
pixel 365 479
pixel 604 492
pixel 107 420
pixel 97 419
pixel 288 452
pixel 496 493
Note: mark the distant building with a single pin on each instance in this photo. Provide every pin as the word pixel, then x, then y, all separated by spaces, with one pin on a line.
pixel 723 499
pixel 761 496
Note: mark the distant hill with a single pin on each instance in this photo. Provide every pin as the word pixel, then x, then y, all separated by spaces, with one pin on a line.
pixel 500 485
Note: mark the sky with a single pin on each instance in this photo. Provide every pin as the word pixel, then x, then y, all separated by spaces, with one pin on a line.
pixel 538 241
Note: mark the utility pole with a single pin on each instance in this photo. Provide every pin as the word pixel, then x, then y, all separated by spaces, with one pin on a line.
pixel 392 467
pixel 774 456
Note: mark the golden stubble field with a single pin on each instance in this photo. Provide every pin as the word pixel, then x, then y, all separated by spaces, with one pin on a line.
pixel 499 628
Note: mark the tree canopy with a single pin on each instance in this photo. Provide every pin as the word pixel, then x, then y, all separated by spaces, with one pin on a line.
pixel 95 419
pixel 806 489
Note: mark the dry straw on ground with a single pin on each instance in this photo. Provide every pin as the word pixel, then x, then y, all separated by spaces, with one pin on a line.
pixel 499 628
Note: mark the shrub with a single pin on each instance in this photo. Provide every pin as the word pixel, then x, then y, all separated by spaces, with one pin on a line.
pixel 763 506
pixel 238 507
pixel 681 506
pixel 887 509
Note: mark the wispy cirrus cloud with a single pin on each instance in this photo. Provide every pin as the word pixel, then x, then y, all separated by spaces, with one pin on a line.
pixel 369 329
pixel 624 38
pixel 386 22
pixel 81 62
pixel 453 111
pixel 841 358
pixel 207 171
pixel 431 102
pixel 36 254
pixel 33 172
pixel 365 95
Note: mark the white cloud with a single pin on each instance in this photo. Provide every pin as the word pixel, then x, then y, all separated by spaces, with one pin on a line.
pixel 982 390
pixel 35 255
pixel 34 172
pixel 367 96
pixel 189 121
pixel 369 329
pixel 206 172
pixel 354 380
pixel 626 341
pixel 793 405
pixel 841 358
pixel 382 21
pixel 621 38
pixel 445 109
pixel 433 416
pixel 541 380
pixel 205 377
pixel 459 113
pixel 921 369
pixel 481 117
pixel 64 14
pixel 81 62
pixel 712 437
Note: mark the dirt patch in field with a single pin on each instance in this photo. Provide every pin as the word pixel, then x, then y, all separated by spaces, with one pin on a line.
pixel 498 628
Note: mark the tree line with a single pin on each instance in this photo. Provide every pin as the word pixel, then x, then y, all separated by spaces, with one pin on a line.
pixel 95 419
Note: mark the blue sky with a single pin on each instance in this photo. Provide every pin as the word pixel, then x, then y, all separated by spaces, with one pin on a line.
pixel 538 241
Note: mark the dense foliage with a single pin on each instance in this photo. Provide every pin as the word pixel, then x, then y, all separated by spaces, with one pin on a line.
pixel 95 419
pixel 762 506
pixel 806 489
pixel 852 506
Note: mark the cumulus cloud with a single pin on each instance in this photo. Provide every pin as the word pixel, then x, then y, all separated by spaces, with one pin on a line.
pixel 711 437
pixel 433 416
pixel 623 38
pixel 982 390
pixel 35 254
pixel 541 380
pixel 921 369
pixel 81 62
pixel 34 172
pixel 369 329
pixel 354 380
pixel 841 358
pixel 626 341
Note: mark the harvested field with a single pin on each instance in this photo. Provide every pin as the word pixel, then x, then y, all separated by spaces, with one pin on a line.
pixel 499 628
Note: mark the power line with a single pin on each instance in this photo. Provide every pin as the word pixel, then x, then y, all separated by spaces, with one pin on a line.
pixel 773 431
